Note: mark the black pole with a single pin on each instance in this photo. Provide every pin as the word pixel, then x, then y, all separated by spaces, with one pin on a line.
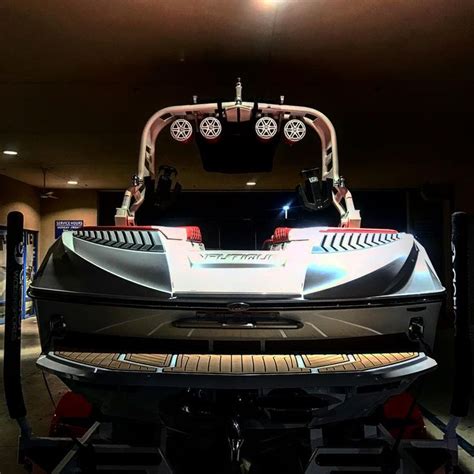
pixel 13 315
pixel 462 384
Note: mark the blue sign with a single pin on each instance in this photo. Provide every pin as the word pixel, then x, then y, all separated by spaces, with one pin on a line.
pixel 61 226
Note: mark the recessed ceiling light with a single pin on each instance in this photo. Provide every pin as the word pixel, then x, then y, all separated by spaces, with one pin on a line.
pixel 72 181
pixel 10 152
pixel 272 2
pixel 251 183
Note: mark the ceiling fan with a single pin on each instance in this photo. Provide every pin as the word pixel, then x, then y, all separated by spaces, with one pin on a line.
pixel 45 194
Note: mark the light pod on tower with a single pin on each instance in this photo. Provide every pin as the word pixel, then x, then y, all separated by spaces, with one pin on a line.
pixel 181 130
pixel 294 131
pixel 210 128
pixel 266 128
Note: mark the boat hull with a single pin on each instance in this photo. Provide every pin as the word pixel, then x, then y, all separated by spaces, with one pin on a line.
pixel 276 328
pixel 133 318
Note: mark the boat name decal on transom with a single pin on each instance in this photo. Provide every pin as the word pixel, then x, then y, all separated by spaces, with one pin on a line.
pixel 236 258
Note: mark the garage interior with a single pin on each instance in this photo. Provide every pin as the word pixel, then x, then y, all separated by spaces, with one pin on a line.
pixel 80 79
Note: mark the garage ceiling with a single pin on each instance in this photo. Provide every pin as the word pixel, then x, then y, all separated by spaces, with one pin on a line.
pixel 78 80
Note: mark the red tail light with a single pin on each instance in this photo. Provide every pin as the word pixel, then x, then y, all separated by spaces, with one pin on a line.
pixel 281 234
pixel 193 234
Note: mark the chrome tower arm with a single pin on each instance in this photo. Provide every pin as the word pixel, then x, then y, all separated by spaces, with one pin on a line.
pixel 238 111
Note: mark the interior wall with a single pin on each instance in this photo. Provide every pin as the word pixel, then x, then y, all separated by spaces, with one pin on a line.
pixel 72 205
pixel 463 197
pixel 18 196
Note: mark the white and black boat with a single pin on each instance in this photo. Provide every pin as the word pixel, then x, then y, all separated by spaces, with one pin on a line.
pixel 348 312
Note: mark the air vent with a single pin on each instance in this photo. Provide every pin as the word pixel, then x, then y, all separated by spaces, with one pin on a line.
pixel 340 242
pixel 137 240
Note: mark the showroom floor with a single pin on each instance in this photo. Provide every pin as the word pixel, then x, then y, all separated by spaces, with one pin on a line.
pixel 435 399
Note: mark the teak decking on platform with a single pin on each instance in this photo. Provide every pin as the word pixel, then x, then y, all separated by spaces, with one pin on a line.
pixel 236 364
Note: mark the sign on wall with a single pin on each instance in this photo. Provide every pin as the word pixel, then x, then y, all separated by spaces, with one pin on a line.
pixel 61 226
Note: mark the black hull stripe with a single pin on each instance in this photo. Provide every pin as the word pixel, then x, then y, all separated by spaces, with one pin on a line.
pixel 89 342
pixel 221 301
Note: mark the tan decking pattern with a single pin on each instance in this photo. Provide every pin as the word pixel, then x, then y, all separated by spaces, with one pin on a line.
pixel 109 361
pixel 240 364
pixel 155 360
pixel 315 361
pixel 370 361
pixel 236 364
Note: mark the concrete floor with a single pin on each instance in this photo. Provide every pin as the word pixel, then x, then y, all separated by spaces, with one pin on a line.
pixel 435 397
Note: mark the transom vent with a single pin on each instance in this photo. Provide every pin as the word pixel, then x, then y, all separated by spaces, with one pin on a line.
pixel 338 242
pixel 138 240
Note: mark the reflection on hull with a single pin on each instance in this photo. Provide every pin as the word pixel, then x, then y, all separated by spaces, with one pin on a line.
pixel 333 329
